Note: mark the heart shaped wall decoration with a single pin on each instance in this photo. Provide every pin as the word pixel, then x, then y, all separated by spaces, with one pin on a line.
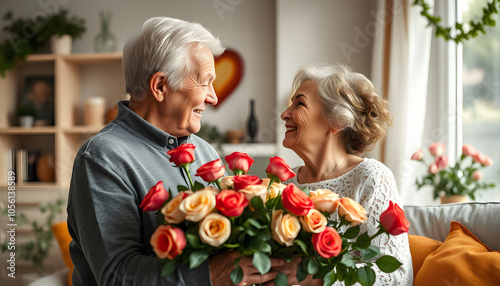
pixel 229 71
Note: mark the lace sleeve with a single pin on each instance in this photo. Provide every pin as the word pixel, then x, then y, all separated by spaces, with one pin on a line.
pixel 377 188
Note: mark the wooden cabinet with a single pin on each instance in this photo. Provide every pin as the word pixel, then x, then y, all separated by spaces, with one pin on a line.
pixel 77 77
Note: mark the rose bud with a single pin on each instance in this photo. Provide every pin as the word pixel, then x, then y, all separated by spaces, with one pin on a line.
pixel 417 156
pixel 280 169
pixel 477 175
pixel 437 149
pixel 155 198
pixel 239 161
pixel 433 168
pixel 442 162
pixel 352 210
pixel 296 201
pixel 183 154
pixel 168 242
pixel 468 150
pixel 285 227
pixel 211 171
pixel 327 243
pixel 393 220
pixel 242 181
pixel 231 203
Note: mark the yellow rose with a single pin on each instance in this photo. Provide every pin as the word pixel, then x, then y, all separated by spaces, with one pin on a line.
pixel 227 183
pixel 285 227
pixel 314 221
pixel 171 211
pixel 275 190
pixel 352 211
pixel 215 229
pixel 198 205
pixel 324 200
pixel 252 191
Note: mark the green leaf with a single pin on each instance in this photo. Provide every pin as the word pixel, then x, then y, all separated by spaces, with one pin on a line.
pixel 264 235
pixel 193 240
pixel 262 262
pixel 281 280
pixel 347 260
pixel 302 245
pixel 302 270
pixel 363 241
pixel 258 204
pixel 197 258
pixel 181 188
pixel 366 276
pixel 306 191
pixel 255 223
pixel 168 267
pixel 388 264
pixel 369 253
pixel 312 266
pixel 260 245
pixel 352 232
pixel 330 278
pixel 236 275
pixel 198 186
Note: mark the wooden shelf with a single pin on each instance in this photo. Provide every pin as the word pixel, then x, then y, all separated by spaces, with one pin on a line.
pixel 28 131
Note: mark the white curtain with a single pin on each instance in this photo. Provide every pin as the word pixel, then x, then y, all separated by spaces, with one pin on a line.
pixel 400 71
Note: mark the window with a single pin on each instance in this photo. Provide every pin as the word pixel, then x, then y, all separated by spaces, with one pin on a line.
pixel 481 94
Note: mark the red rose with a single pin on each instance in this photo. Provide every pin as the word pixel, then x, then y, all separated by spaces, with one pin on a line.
pixel 393 220
pixel 242 181
pixel 280 169
pixel 211 171
pixel 155 198
pixel 327 243
pixel 239 161
pixel 168 242
pixel 296 201
pixel 231 203
pixel 183 154
pixel 417 156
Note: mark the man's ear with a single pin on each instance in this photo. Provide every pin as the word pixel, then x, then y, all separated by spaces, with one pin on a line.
pixel 158 86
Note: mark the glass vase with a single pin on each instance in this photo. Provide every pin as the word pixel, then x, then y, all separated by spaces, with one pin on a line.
pixel 105 41
pixel 252 125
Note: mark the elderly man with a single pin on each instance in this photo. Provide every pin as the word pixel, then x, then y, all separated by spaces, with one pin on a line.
pixel 169 71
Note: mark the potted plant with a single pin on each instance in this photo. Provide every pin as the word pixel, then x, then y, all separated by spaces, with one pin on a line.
pixel 37 249
pixel 61 30
pixel 25 36
pixel 26 115
pixel 453 183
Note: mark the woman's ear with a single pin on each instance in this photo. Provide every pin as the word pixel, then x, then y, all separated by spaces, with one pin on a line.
pixel 158 86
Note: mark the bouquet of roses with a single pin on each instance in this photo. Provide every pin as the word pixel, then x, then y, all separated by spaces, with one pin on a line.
pixel 263 218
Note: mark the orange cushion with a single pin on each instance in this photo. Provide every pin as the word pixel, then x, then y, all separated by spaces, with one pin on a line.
pixel 60 231
pixel 420 248
pixel 462 259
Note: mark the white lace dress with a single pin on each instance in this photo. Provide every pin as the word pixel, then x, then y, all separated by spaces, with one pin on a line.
pixel 372 185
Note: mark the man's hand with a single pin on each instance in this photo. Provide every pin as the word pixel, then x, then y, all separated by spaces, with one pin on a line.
pixel 221 266
pixel 290 270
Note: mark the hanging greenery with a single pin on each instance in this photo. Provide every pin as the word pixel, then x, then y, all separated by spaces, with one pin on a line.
pixel 461 32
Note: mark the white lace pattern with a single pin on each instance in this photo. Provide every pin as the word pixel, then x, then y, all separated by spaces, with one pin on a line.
pixel 372 185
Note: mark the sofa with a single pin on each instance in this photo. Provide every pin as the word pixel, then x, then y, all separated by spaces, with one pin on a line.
pixel 461 252
pixel 455 244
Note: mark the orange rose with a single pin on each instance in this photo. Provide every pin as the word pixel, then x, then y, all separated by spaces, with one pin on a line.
pixel 314 221
pixel 285 227
pixel 352 211
pixel 198 205
pixel 168 242
pixel 171 211
pixel 324 200
pixel 214 229
pixel 327 243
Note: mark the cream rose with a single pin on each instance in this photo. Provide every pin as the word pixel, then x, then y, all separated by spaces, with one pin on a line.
pixel 324 200
pixel 285 227
pixel 198 205
pixel 275 190
pixel 227 183
pixel 171 211
pixel 314 221
pixel 353 212
pixel 252 191
pixel 215 229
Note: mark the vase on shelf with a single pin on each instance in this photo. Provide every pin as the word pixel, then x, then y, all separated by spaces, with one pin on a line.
pixel 105 41
pixel 453 199
pixel 252 125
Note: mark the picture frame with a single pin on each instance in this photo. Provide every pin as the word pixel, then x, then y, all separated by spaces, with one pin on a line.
pixel 38 92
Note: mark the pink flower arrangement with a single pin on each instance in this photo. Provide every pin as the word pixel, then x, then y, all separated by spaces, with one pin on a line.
pixel 463 178
pixel 264 218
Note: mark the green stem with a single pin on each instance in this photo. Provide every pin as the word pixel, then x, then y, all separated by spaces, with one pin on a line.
pixel 185 167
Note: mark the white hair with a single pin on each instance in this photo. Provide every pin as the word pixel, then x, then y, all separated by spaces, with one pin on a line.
pixel 164 45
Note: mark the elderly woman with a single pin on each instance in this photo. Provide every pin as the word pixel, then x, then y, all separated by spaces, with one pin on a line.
pixel 169 73
pixel 334 117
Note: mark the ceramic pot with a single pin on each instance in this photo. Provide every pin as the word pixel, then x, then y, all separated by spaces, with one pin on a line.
pixel 61 45
pixel 453 199
pixel 26 121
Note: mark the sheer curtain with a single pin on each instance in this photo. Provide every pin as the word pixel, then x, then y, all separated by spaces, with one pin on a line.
pixel 403 72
